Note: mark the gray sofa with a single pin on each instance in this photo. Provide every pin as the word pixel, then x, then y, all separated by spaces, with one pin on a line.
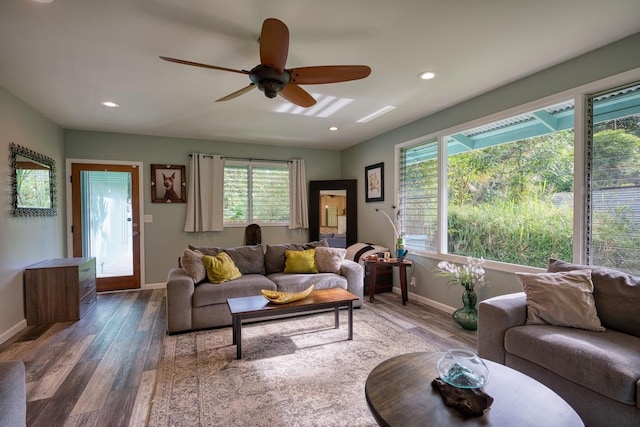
pixel 597 373
pixel 13 394
pixel 192 305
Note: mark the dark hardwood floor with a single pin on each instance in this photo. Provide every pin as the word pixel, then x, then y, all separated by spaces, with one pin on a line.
pixel 101 370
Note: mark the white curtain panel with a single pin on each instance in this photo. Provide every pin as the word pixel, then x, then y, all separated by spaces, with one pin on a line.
pixel 205 191
pixel 298 208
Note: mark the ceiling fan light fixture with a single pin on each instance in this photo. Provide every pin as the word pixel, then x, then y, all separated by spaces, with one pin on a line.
pixel 427 75
pixel 271 88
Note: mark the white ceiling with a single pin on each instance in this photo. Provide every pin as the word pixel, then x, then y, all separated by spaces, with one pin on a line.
pixel 64 57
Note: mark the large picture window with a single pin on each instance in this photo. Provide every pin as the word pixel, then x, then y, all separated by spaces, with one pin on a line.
pixel 256 193
pixel 508 186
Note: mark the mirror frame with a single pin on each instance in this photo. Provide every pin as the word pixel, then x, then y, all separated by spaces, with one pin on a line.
pixel 351 186
pixel 17 150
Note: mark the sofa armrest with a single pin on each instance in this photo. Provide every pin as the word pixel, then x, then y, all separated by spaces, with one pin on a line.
pixel 180 288
pixel 495 316
pixel 354 273
pixel 13 394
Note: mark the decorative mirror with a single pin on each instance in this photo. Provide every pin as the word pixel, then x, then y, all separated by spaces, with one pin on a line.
pixel 333 212
pixel 33 181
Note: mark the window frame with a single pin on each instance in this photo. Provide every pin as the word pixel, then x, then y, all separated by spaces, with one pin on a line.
pixel 250 164
pixel 580 96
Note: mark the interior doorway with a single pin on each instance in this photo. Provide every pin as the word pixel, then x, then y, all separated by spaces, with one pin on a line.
pixel 105 221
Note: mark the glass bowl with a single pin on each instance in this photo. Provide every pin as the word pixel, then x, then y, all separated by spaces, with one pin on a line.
pixel 463 369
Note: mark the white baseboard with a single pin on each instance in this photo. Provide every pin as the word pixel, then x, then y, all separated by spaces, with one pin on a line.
pixel 154 286
pixel 426 301
pixel 6 336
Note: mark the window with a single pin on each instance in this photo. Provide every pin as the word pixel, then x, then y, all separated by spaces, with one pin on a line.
pixel 418 196
pixel 509 188
pixel 613 172
pixel 256 192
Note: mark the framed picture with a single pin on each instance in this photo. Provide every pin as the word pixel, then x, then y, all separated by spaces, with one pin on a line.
pixel 168 184
pixel 374 183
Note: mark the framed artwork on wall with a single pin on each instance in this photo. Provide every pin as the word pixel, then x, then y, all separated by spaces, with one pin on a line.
pixel 168 184
pixel 374 183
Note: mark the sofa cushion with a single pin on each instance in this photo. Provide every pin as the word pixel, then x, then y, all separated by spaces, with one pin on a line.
pixel 299 282
pixel 274 257
pixel 248 259
pixel 247 285
pixel 617 295
pixel 220 268
pixel 561 299
pixel 329 260
pixel 300 261
pixel 606 362
pixel 191 262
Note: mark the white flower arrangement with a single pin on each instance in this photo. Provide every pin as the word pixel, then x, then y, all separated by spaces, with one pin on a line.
pixel 468 275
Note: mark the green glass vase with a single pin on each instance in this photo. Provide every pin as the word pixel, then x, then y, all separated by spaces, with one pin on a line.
pixel 467 316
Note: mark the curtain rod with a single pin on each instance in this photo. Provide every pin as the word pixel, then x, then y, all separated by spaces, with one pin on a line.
pixel 251 159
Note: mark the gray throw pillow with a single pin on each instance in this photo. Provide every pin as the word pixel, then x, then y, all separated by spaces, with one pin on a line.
pixel 329 260
pixel 191 262
pixel 561 299
pixel 248 259
pixel 617 295
pixel 274 257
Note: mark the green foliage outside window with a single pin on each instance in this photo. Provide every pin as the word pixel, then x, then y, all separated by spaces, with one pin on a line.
pixel 514 202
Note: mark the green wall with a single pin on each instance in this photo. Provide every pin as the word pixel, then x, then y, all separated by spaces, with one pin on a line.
pixel 164 238
pixel 25 240
pixel 608 61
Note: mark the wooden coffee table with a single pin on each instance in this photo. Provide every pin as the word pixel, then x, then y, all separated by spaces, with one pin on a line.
pixel 399 393
pixel 258 306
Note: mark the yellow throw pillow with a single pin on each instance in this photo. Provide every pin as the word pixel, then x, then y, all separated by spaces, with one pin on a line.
pixel 300 261
pixel 220 268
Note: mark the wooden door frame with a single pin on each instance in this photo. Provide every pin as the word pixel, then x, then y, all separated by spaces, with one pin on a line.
pixel 69 234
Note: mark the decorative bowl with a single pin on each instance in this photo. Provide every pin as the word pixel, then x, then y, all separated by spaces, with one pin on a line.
pixel 462 369
pixel 286 297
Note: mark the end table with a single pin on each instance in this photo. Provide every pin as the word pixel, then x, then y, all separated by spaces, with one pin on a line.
pixel 371 269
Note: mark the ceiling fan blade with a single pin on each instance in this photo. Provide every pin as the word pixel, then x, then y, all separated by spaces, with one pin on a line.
pixel 296 95
pixel 328 74
pixel 274 44
pixel 196 64
pixel 237 93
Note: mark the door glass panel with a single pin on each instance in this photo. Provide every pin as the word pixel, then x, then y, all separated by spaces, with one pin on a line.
pixel 107 222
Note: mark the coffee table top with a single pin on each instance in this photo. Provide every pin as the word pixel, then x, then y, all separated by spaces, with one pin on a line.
pixel 259 303
pixel 399 393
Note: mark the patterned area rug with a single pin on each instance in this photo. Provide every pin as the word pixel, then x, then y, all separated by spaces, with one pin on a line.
pixel 294 372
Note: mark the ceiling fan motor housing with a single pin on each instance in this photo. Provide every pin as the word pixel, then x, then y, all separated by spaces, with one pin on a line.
pixel 269 80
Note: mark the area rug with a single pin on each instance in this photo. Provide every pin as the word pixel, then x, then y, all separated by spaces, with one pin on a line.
pixel 295 372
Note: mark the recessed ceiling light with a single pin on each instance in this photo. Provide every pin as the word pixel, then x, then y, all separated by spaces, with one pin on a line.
pixel 427 75
pixel 333 128
pixel 110 104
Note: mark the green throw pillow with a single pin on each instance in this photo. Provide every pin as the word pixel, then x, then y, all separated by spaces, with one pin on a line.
pixel 220 268
pixel 300 261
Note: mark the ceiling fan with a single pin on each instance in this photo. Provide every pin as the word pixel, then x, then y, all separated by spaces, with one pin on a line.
pixel 274 79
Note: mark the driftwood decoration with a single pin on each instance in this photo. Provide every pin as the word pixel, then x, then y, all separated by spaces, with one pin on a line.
pixel 470 402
